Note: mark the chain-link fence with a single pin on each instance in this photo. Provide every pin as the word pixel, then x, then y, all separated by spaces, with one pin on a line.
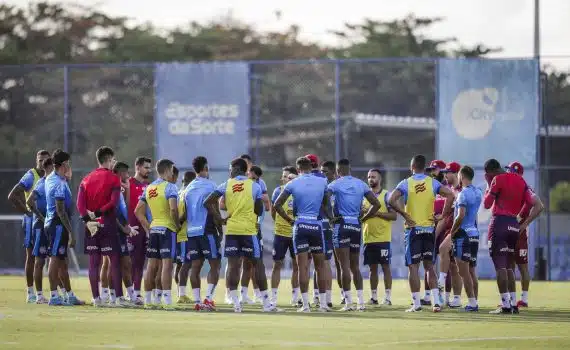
pixel 377 113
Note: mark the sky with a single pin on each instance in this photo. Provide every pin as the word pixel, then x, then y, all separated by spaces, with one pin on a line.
pixel 504 23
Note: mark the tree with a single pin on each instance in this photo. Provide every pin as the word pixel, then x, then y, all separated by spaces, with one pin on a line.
pixel 560 197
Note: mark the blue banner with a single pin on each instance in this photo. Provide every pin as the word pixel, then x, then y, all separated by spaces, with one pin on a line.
pixel 488 109
pixel 202 109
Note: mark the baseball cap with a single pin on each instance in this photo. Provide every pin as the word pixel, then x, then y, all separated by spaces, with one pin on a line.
pixel 313 158
pixel 436 164
pixel 515 167
pixel 452 167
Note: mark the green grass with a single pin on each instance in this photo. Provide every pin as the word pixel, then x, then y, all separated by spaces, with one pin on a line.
pixel 546 325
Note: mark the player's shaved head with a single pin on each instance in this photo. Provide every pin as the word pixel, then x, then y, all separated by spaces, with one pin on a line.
pixel 343 167
pixel 104 154
pixel 238 166
pixel 492 166
pixel 303 164
pixel 120 167
pixel 163 166
pixel 418 163
pixel 467 173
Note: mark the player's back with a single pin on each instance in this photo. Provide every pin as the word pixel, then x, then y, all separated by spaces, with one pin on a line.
pixel 419 193
pixel 28 182
pixel 240 195
pixel 511 193
pixel 308 192
pixel 99 186
pixel 40 191
pixel 197 216
pixel 157 195
pixel 136 190
pixel 349 192
pixel 470 198
pixel 282 227
pixel 56 188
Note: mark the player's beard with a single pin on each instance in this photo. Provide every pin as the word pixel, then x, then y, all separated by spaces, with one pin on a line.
pixel 373 185
pixel 439 177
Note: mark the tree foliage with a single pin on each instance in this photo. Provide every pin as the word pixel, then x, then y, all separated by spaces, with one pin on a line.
pixel 560 197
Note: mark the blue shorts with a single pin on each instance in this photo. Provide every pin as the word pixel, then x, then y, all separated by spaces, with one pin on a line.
pixel 123 246
pixel 281 245
pixel 419 244
pixel 58 240
pixel 247 246
pixel 27 223
pixel 41 241
pixel 308 237
pixel 202 247
pixel 377 253
pixel 329 246
pixel 465 248
pixel 161 243
pixel 347 235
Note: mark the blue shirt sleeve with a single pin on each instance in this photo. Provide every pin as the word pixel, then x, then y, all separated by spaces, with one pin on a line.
pixel 403 187
pixel 263 186
pixel 289 187
pixel 461 199
pixel 143 196
pixel 256 191
pixel 27 181
pixel 365 188
pixel 222 188
pixel 275 194
pixel 436 186
pixel 123 207
pixel 171 191
pixel 38 188
pixel 59 190
pixel 332 187
pixel 386 198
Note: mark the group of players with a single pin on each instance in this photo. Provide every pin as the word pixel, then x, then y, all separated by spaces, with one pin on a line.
pixel 320 211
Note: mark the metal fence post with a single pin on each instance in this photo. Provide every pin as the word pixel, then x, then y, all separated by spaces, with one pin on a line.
pixel 256 92
pixel 337 110
pixel 66 108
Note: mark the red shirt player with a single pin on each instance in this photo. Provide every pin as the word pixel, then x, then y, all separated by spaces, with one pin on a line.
pixel 137 244
pixel 506 195
pixel 98 196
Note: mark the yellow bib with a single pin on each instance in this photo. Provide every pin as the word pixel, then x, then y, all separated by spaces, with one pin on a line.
pixel 31 190
pixel 377 230
pixel 182 236
pixel 282 227
pixel 240 205
pixel 159 207
pixel 420 201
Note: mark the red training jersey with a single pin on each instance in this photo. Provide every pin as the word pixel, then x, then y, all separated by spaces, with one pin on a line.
pixel 508 194
pixel 136 190
pixel 99 191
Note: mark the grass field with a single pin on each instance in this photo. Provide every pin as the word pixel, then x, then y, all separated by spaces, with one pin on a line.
pixel 546 325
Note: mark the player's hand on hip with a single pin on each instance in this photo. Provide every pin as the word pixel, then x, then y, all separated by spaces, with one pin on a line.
pixel 410 222
pixel 91 214
pixel 133 230
pixel 71 242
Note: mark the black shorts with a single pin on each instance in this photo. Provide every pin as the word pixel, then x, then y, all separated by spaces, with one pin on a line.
pixel 329 246
pixel 202 247
pixel 58 240
pixel 247 246
pixel 308 237
pixel 377 253
pixel 161 243
pixel 41 241
pixel 419 244
pixel 348 236
pixel 465 248
pixel 281 245
pixel 123 246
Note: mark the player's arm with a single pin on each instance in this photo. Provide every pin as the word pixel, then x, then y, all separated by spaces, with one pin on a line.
pixel 213 204
pixel 140 213
pixel 491 194
pixel 173 204
pixel 374 206
pixel 327 208
pixel 447 193
pixel 394 202
pixel 278 206
pixel 18 198
pixel 458 219
pixel 389 216
pixel 182 210
pixel 31 202
pixel 536 209
pixel 115 197
pixel 222 203
pixel 62 212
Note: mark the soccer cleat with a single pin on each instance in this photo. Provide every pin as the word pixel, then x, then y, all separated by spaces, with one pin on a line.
pixel 73 300
pixel 436 308
pixel 296 303
pixel 453 304
pixel 228 300
pixel 329 305
pixel 469 308
pixel 31 299
pixel 424 302
pixel 209 304
pixel 42 300
pixel 348 308
pixel 183 300
pixel 304 309
pixel 387 302
pixel 515 310
pixel 502 311
pixel 168 307
pixel 246 301
pixel 198 307
pixel 325 309
pixel 414 309
pixel 272 308
pixel 151 306
pixel 123 302
pixel 360 307
pixel 237 309
pixel 373 301
pixel 97 302
pixel 57 301
pixel 137 302
pixel 521 303
pixel 343 301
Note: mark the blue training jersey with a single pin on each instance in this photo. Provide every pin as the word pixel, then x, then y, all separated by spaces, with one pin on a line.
pixel 40 192
pixel 349 193
pixel 199 220
pixel 122 209
pixel 403 186
pixel 56 188
pixel 308 192
pixel 469 198
pixel 263 187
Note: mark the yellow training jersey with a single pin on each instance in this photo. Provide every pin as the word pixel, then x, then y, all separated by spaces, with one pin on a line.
pixel 181 235
pixel 32 174
pixel 420 198
pixel 156 196
pixel 282 227
pixel 240 194
pixel 377 230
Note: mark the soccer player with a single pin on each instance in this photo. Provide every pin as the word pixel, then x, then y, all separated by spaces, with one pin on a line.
pixel 419 193
pixel 506 193
pixel 445 249
pixel 465 234
pixel 58 228
pixel 283 241
pixel 377 238
pixel 18 197
pixel 244 204
pixel 182 260
pixel 37 203
pixel 349 193
pixel 309 195
pixel 328 169
pixel 137 244
pixel 98 197
pixel 204 236
pixel 521 249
